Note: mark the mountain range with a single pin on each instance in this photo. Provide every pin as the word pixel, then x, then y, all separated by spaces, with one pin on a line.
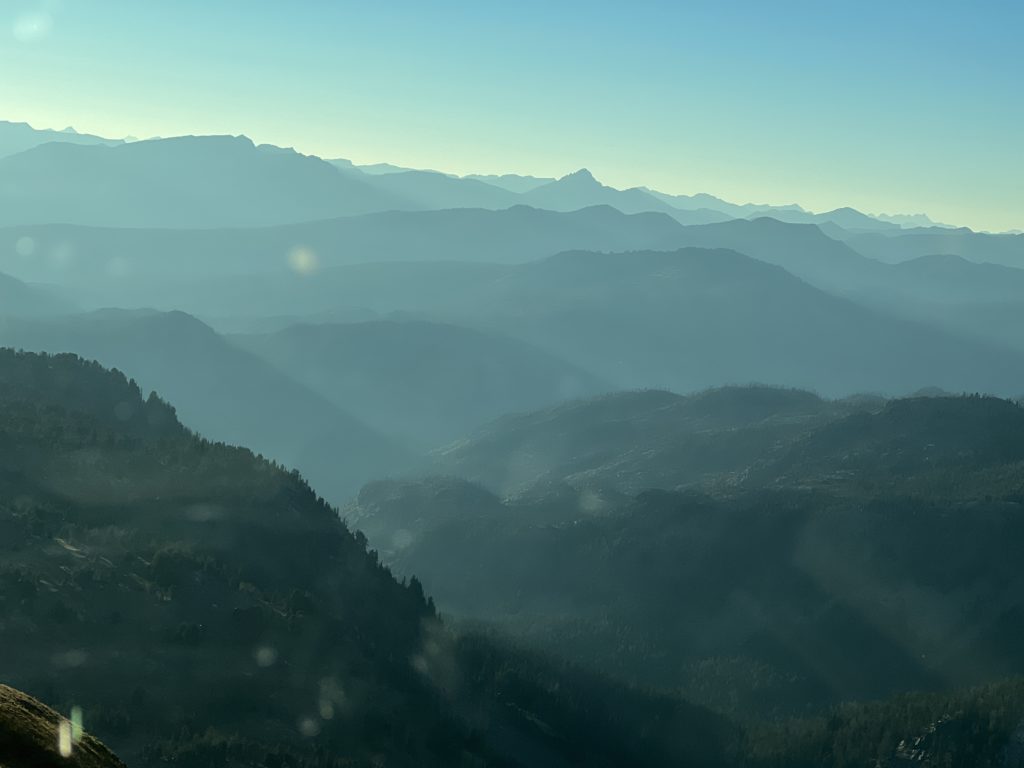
pixel 18 137
pixel 207 181
pixel 819 552
pixel 223 181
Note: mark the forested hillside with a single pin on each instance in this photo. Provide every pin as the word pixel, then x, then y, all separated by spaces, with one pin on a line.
pixel 844 551
pixel 203 606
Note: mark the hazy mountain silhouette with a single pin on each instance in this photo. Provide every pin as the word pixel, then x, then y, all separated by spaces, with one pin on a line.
pixel 222 391
pixel 981 300
pixel 173 268
pixel 1007 250
pixel 429 190
pixel 999 322
pixel 733 210
pixel 949 279
pixel 17 298
pixel 119 267
pixel 580 190
pixel 17 137
pixel 511 181
pixel 683 320
pixel 377 169
pixel 367 170
pixel 807 252
pixel 687 320
pixel 909 220
pixel 801 249
pixel 424 383
pixel 205 181
pixel 847 218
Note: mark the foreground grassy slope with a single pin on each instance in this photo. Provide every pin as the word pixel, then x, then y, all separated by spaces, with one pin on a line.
pixel 31 737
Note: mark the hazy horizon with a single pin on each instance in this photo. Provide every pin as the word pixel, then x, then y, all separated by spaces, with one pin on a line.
pixel 888 117
pixel 128 138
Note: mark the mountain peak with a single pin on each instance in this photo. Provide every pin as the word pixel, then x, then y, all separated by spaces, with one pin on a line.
pixel 581 176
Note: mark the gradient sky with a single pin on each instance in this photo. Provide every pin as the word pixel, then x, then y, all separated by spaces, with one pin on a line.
pixel 895 106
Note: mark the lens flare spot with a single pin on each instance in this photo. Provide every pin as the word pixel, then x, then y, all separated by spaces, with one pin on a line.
pixel 25 246
pixel 118 267
pixel 326 709
pixel 32 26
pixel 77 725
pixel 402 539
pixel 64 738
pixel 309 727
pixel 62 255
pixel 70 659
pixel 265 656
pixel 302 260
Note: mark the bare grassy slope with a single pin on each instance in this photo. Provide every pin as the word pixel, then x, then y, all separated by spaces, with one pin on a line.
pixel 29 737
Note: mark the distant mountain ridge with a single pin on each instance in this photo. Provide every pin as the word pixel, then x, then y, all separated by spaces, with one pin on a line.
pixel 315 195
pixel 19 299
pixel 580 190
pixel 18 137
pixel 204 181
pixel 129 267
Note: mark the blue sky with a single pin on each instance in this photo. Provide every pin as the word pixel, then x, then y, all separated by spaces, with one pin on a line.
pixel 886 106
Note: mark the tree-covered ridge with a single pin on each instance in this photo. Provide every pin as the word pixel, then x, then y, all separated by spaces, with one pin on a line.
pixel 769 603
pixel 632 441
pixel 67 381
pixel 872 548
pixel 733 439
pixel 939 446
pixel 980 728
